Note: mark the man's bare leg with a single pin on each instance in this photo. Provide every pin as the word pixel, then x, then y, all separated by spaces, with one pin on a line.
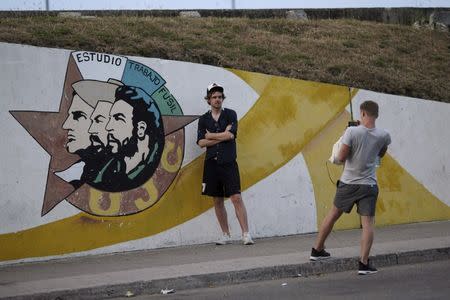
pixel 367 223
pixel 221 214
pixel 241 212
pixel 326 227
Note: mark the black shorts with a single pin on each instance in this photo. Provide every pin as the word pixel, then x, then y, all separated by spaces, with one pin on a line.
pixel 363 195
pixel 221 180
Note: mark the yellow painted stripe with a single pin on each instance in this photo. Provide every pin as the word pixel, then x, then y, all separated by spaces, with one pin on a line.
pixel 316 154
pixel 403 199
pixel 257 81
pixel 288 114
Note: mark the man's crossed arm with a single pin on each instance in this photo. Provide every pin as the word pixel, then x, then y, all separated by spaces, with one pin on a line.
pixel 213 138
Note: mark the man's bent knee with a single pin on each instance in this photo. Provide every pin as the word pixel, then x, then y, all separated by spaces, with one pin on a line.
pixel 367 221
pixel 336 212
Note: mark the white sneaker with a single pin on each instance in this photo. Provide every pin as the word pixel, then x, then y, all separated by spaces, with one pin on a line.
pixel 224 239
pixel 247 239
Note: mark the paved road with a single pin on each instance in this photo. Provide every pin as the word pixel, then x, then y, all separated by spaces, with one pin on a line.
pixel 418 281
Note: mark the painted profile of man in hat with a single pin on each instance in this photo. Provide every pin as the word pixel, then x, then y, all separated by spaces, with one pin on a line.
pixel 86 126
pixel 135 137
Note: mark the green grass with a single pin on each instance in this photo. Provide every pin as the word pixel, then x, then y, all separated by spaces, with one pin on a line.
pixel 386 58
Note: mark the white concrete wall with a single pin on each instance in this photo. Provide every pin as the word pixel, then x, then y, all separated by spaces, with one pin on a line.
pixel 206 4
pixel 282 203
pixel 31 79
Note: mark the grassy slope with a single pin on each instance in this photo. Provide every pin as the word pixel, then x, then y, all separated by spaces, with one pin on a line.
pixel 386 58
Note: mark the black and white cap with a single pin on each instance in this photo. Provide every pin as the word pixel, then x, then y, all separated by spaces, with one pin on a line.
pixel 214 86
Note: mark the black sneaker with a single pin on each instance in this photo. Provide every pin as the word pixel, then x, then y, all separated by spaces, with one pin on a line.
pixel 318 255
pixel 366 269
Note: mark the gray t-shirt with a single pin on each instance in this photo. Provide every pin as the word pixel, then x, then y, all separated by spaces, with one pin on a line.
pixel 365 145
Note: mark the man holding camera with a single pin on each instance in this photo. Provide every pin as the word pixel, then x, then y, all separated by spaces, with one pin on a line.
pixel 360 149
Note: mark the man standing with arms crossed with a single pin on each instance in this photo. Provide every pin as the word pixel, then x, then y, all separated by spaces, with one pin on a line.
pixel 217 131
pixel 360 150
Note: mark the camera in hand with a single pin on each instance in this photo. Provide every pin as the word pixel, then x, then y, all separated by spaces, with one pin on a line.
pixel 353 123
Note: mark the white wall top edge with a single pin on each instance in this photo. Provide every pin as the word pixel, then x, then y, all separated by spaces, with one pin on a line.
pixel 25 5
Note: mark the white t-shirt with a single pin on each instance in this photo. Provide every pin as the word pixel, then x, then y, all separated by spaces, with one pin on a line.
pixel 365 145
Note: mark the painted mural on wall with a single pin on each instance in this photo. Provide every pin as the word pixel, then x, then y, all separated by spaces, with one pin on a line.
pixel 286 130
pixel 115 145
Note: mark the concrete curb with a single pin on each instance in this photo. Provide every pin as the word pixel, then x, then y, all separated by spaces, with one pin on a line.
pixel 265 273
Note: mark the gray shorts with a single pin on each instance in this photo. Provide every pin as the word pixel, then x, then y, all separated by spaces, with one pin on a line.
pixel 364 195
